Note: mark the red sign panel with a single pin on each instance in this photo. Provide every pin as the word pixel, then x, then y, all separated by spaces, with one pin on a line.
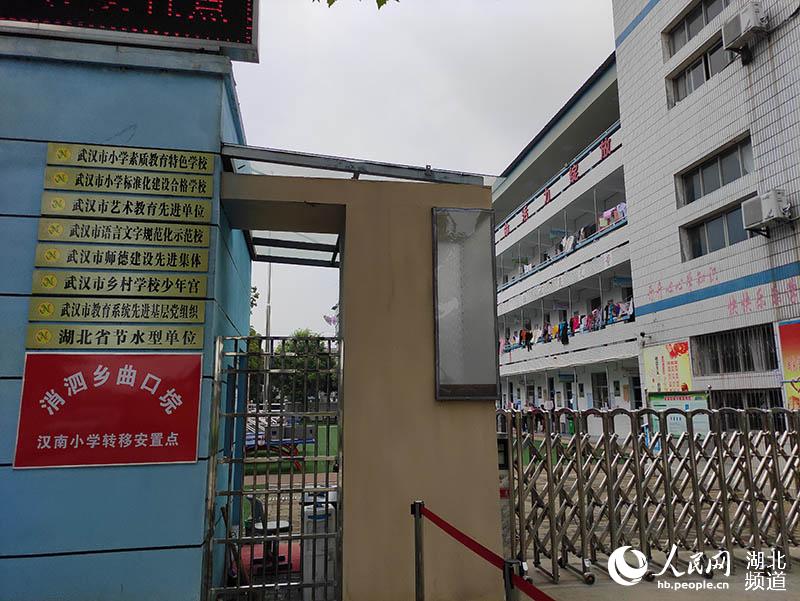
pixel 108 409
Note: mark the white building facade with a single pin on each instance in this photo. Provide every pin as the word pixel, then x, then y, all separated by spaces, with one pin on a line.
pixel 566 300
pixel 706 130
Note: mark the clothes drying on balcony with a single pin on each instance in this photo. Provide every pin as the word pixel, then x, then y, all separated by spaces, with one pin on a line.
pixel 597 319
pixel 570 242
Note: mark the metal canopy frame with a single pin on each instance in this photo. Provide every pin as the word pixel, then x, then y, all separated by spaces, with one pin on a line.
pixel 257 242
pixel 357 167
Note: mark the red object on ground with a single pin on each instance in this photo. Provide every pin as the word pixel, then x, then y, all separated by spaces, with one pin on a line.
pixel 487 554
pixel 80 409
pixel 252 556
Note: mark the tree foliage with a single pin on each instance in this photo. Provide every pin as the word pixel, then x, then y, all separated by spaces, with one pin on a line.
pixel 305 369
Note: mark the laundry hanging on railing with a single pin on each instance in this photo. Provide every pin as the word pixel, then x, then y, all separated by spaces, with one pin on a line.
pixel 597 319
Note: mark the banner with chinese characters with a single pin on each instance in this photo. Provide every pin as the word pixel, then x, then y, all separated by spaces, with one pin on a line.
pixel 668 367
pixel 108 409
pixel 789 334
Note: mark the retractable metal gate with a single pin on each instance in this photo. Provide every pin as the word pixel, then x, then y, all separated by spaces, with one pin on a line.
pixel 274 511
pixel 582 484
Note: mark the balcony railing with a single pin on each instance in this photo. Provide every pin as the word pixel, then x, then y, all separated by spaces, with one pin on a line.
pixel 624 313
pixel 579 245
pixel 594 154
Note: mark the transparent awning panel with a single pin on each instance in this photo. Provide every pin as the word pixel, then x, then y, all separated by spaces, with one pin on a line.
pixel 293 248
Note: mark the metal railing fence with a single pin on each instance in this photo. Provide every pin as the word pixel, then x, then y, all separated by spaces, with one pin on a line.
pixel 582 484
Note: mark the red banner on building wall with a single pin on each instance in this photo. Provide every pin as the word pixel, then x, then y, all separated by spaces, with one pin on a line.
pixel 108 409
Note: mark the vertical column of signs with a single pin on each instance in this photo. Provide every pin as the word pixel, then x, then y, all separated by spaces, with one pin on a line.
pixel 121 265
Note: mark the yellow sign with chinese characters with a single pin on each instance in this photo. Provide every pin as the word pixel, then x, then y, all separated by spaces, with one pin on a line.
pixel 123 232
pixel 76 204
pixel 129 182
pixel 95 256
pixel 115 310
pixel 141 159
pixel 111 336
pixel 118 283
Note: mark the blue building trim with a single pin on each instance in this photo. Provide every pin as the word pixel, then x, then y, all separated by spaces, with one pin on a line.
pixel 729 287
pixel 635 23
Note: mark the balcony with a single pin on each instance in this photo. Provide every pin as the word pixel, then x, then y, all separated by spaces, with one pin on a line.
pixel 574 234
pixel 595 162
pixel 615 342
pixel 606 249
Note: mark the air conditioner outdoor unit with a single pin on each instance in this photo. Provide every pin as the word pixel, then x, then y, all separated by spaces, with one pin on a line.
pixel 761 210
pixel 745 26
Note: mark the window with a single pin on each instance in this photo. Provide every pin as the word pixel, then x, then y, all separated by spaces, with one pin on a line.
pixel 716 233
pixel 768 398
pixel 701 70
pixel 718 59
pixel 693 23
pixel 600 390
pixel 711 177
pixel 735 351
pixel 697 241
pixel 718 171
pixel 735 225
pixel 731 166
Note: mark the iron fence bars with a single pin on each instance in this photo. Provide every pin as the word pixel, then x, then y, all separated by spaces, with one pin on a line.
pixel 274 527
pixel 582 484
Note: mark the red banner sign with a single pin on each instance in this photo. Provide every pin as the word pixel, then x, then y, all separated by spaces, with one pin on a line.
pixel 108 409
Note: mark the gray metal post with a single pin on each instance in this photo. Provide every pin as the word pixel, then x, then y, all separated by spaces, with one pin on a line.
pixel 508 579
pixel 419 563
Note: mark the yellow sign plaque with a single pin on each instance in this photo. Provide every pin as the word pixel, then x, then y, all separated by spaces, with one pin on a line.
pixel 123 232
pixel 76 204
pixel 129 182
pixel 80 336
pixel 119 157
pixel 96 256
pixel 118 283
pixel 115 310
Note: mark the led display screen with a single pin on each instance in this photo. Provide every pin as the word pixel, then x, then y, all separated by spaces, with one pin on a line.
pixel 224 22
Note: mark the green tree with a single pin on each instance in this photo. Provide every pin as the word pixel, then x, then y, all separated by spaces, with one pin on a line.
pixel 253 298
pixel 256 365
pixel 304 370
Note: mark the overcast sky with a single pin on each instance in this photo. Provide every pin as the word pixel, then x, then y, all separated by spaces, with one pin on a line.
pixel 457 84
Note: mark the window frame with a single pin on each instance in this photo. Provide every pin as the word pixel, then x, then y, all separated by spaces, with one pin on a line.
pixel 686 179
pixel 751 349
pixel 683 24
pixel 703 228
pixel 704 60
